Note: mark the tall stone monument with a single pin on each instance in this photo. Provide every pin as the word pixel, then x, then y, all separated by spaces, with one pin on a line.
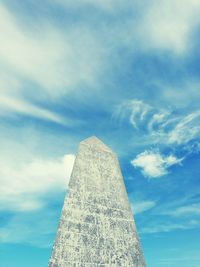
pixel 96 227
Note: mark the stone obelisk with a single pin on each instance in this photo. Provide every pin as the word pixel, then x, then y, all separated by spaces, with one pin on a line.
pixel 96 227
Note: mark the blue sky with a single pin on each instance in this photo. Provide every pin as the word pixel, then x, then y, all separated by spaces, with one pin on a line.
pixel 125 71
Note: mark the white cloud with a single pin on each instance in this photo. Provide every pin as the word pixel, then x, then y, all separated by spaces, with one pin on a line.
pixel 153 164
pixel 168 24
pixel 23 183
pixel 139 207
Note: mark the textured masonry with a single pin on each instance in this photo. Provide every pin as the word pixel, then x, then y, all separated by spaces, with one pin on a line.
pixel 96 227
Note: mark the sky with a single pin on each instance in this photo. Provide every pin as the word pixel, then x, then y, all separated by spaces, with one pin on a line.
pixel 125 71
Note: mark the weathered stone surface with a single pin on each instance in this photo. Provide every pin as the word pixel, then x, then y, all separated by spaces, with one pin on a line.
pixel 96 226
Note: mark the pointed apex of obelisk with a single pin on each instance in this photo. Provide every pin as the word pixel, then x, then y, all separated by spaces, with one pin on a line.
pixel 95 142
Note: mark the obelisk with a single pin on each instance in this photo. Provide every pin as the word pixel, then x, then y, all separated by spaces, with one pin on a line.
pixel 96 227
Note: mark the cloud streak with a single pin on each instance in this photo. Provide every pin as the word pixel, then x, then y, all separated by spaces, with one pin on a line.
pixel 142 206
pixel 168 227
pixel 188 210
pixel 186 129
pixel 9 105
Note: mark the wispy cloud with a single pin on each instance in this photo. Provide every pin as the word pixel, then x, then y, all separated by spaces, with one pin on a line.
pixel 175 129
pixel 168 227
pixel 61 60
pixel 13 106
pixel 157 27
pixel 141 115
pixel 45 63
pixel 153 164
pixel 175 214
pixel 186 129
pixel 162 126
pixel 135 109
pixel 141 206
pixel 56 60
pixel 188 210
